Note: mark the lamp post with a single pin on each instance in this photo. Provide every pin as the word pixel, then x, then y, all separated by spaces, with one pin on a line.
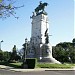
pixel 0 44
pixel 24 55
pixel 25 49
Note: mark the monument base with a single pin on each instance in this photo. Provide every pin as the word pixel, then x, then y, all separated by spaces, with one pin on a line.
pixel 50 60
pixel 46 50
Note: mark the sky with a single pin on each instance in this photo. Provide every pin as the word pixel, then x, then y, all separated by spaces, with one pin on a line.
pixel 61 23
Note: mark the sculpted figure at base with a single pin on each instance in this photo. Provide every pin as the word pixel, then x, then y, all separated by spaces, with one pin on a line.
pixel 47 36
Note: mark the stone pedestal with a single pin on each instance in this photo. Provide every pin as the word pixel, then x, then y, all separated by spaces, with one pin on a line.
pixel 46 50
pixel 40 36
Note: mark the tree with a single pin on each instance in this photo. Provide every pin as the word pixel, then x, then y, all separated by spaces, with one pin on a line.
pixel 73 41
pixel 21 52
pixel 64 52
pixel 72 53
pixel 59 53
pixel 6 55
pixel 14 55
pixel 7 8
pixel 1 55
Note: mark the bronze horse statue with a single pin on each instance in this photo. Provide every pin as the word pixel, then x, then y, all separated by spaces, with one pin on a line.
pixel 41 6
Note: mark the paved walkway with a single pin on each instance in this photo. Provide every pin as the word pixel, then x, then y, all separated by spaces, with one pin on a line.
pixel 5 67
pixel 36 69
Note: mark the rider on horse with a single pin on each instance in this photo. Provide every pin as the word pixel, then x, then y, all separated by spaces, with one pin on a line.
pixel 41 6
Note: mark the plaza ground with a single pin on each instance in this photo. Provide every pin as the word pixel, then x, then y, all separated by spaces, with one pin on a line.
pixel 64 72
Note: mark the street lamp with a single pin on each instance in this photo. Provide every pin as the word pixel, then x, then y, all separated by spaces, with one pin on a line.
pixel 24 55
pixel 0 44
pixel 25 48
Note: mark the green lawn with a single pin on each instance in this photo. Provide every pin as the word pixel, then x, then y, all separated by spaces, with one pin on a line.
pixel 40 65
pixel 15 65
pixel 48 65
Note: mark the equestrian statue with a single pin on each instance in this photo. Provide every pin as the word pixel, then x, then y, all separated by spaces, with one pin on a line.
pixel 40 7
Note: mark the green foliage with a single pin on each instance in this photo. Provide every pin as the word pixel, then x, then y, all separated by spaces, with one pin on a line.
pixel 14 56
pixel 14 53
pixel 64 52
pixel 73 40
pixel 9 56
pixel 4 55
pixel 1 55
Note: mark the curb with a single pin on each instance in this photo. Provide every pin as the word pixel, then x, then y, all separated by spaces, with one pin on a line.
pixel 31 70
pixel 36 69
pixel 60 70
pixel 26 70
